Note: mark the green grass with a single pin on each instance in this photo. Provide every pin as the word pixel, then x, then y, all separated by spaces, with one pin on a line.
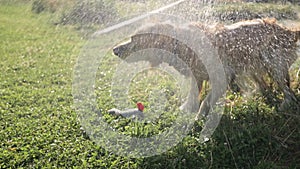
pixel 246 11
pixel 39 127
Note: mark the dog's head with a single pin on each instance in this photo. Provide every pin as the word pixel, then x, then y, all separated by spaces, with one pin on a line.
pixel 148 37
pixel 138 42
pixel 166 43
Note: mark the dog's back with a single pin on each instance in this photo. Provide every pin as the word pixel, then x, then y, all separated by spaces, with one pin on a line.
pixel 253 43
pixel 258 47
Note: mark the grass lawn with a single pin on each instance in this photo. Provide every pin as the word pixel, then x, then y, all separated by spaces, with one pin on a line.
pixel 39 127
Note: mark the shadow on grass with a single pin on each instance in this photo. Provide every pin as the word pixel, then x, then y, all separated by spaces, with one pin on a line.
pixel 250 135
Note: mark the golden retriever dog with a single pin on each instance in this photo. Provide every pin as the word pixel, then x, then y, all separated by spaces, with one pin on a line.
pixel 256 48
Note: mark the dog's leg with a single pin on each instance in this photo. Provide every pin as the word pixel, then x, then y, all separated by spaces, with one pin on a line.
pixel 216 93
pixel 263 87
pixel 233 85
pixel 205 106
pixel 289 96
pixel 192 102
pixel 279 73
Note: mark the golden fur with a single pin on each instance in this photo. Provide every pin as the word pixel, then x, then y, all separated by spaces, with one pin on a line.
pixel 255 47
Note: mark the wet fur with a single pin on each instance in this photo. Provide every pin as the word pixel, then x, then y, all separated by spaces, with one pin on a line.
pixel 255 48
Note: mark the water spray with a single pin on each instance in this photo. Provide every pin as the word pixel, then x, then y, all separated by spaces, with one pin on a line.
pixel 138 18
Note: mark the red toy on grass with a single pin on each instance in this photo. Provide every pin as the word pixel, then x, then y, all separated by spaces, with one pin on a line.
pixel 129 113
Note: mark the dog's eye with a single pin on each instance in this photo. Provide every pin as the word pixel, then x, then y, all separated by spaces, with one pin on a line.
pixel 135 37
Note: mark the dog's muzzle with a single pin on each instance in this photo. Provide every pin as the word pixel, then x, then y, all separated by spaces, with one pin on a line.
pixel 121 48
pixel 116 50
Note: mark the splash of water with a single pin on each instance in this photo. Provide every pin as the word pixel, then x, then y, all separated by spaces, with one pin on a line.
pixel 138 18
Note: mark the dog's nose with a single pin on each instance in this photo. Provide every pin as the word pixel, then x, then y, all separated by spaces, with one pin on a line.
pixel 116 51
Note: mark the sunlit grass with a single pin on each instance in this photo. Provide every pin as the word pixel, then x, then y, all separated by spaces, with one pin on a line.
pixel 39 127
